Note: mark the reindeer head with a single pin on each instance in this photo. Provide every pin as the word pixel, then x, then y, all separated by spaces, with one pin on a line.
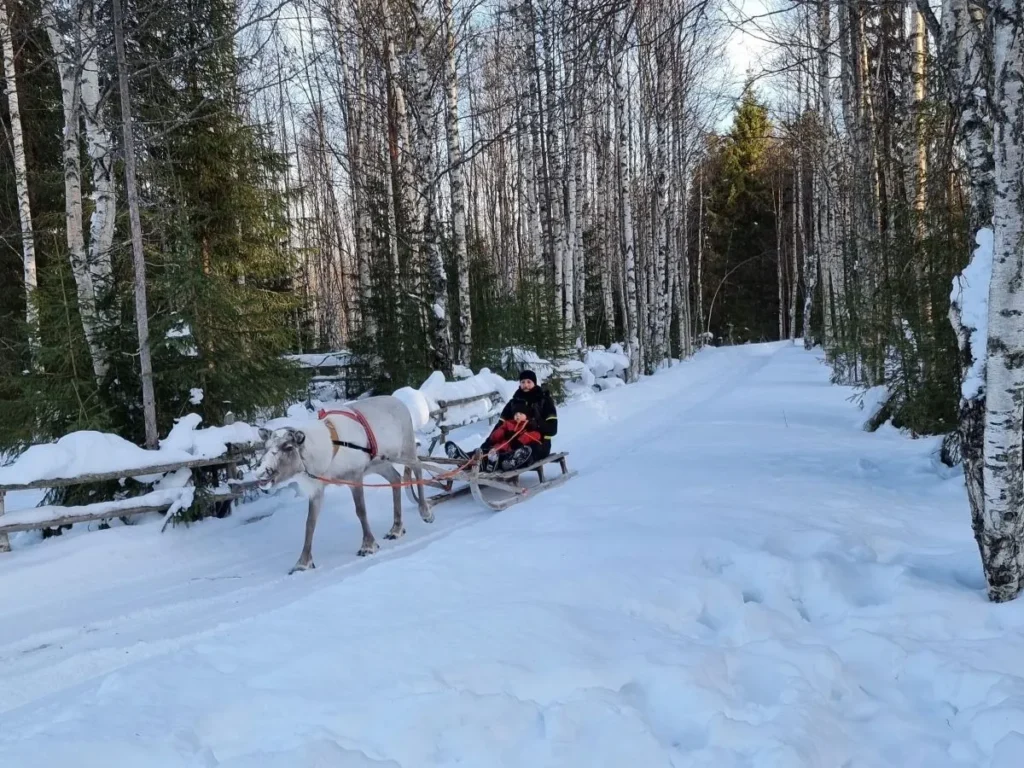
pixel 282 459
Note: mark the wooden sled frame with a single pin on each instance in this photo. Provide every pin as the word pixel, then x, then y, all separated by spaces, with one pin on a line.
pixel 476 480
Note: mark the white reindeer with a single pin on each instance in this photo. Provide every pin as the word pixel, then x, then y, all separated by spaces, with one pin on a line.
pixel 339 448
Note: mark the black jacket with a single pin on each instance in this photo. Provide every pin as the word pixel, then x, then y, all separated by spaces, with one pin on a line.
pixel 541 414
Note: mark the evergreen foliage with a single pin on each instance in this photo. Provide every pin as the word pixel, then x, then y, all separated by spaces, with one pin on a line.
pixel 219 277
pixel 740 289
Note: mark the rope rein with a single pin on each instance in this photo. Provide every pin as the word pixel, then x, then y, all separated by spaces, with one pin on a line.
pixel 408 483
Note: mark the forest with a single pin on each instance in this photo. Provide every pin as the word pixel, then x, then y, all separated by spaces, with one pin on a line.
pixel 190 191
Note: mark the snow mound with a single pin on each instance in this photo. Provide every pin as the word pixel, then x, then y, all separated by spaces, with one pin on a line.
pixel 970 293
pixel 519 358
pixel 436 390
pixel 83 453
pixel 208 443
pixel 89 452
pixel 606 362
pixel 418 405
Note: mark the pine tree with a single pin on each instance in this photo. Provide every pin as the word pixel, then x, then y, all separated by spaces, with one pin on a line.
pixel 739 273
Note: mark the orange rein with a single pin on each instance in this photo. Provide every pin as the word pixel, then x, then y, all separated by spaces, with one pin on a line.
pixel 409 483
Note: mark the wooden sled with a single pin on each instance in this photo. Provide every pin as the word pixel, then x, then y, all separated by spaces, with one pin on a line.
pixel 507 482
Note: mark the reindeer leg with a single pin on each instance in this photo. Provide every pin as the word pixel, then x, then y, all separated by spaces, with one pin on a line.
pixel 369 545
pixel 306 557
pixel 425 513
pixel 390 474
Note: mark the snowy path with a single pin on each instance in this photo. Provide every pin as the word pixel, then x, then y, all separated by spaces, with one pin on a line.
pixel 739 576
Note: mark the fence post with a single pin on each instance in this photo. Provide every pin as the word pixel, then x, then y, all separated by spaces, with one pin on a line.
pixel 5 543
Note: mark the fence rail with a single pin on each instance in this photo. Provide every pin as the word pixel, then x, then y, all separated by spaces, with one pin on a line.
pixel 214 494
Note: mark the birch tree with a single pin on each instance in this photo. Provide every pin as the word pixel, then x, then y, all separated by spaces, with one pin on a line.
pixel 28 245
pixel 455 174
pixel 1003 523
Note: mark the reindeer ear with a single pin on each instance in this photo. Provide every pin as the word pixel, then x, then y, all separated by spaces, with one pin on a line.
pixel 264 434
pixel 300 437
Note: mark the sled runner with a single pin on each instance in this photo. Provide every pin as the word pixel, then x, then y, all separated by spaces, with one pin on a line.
pixel 503 488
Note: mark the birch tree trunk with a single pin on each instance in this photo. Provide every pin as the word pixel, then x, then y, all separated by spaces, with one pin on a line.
pixel 966 45
pixel 556 209
pixel 626 193
pixel 455 173
pixel 424 229
pixel 354 98
pixel 571 192
pixel 28 242
pixel 798 236
pixel 660 214
pixel 580 162
pixel 70 87
pixel 1003 523
pixel 138 258
pixel 99 146
pixel 605 211
pixel 780 261
pixel 698 288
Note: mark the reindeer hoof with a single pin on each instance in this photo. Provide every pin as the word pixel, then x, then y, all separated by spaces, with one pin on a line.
pixel 302 567
pixel 395 534
pixel 428 518
pixel 368 549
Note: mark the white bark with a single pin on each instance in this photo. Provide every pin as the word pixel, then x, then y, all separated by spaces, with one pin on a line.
pixel 70 87
pixel 28 242
pixel 968 53
pixel 455 173
pixel 99 145
pixel 579 266
pixel 569 272
pixel 1003 524
pixel 556 208
pixel 626 193
pixel 424 203
pixel 798 237
pixel 779 261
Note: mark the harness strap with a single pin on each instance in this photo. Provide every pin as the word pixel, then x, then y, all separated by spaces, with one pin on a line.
pixel 371 440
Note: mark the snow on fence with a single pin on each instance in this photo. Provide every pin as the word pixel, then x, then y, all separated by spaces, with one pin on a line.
pixel 440 406
pixel 599 369
pixel 175 470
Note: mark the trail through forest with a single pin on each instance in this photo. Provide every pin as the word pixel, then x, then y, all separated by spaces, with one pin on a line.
pixel 739 576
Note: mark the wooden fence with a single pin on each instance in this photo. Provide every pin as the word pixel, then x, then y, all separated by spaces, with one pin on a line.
pixel 215 495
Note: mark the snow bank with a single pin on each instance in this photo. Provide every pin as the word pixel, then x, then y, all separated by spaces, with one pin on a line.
pixel 598 364
pixel 436 390
pixel 519 358
pixel 89 452
pixel 208 443
pixel 418 405
pixel 606 362
pixel 970 293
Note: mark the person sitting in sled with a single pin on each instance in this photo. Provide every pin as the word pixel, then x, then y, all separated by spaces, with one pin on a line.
pixel 523 433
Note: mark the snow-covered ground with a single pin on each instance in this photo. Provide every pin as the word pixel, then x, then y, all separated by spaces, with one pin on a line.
pixel 739 576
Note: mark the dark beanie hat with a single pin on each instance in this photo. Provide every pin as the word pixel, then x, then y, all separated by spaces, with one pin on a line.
pixel 528 375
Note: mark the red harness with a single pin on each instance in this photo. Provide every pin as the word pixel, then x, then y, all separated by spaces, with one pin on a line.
pixel 371 440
